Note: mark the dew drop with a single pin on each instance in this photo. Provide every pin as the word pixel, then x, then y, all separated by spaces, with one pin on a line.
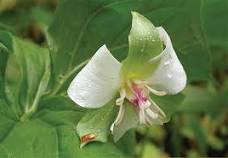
pixel 167 62
pixel 169 76
pixel 89 85
pixel 83 95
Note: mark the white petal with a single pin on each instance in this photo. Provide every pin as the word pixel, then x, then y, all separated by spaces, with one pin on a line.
pixel 97 82
pixel 170 75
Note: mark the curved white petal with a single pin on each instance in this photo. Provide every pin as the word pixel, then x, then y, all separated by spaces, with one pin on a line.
pixel 170 75
pixel 97 82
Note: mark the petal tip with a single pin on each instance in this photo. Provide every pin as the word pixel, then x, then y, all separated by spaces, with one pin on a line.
pixel 134 13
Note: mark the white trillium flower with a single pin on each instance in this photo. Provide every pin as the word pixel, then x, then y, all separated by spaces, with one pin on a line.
pixel 149 68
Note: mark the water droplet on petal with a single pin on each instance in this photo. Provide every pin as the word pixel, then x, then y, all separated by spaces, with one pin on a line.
pixel 83 94
pixel 169 76
pixel 167 62
pixel 89 85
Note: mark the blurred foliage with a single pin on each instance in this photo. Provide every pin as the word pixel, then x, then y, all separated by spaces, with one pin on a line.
pixel 199 30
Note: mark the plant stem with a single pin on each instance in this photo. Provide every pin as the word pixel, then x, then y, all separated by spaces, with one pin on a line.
pixel 67 76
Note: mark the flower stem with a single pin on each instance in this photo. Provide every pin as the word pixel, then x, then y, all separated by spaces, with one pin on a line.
pixel 67 76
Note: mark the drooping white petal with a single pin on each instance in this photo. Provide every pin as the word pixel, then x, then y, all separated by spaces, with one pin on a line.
pixel 170 76
pixel 97 82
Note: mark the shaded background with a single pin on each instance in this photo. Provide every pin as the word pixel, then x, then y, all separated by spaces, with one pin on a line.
pixel 199 30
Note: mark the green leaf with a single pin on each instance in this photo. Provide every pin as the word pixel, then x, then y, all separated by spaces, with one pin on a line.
pixel 34 135
pixel 95 124
pixel 50 133
pixel 40 139
pixel 214 29
pixel 210 102
pixel 55 103
pixel 27 73
pixel 144 45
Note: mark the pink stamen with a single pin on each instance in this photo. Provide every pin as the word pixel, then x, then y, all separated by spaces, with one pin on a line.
pixel 139 95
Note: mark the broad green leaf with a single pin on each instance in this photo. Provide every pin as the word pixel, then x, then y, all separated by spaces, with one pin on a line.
pixel 58 118
pixel 50 133
pixel 202 100
pixel 29 139
pixel 55 103
pixel 215 28
pixel 38 139
pixel 6 124
pixel 27 73
pixel 95 124
pixel 213 18
pixel 144 45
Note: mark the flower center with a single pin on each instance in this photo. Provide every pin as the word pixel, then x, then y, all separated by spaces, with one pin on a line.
pixel 137 93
